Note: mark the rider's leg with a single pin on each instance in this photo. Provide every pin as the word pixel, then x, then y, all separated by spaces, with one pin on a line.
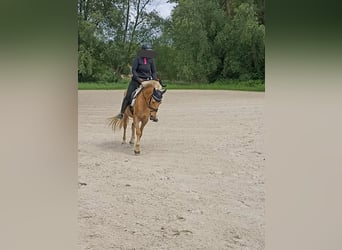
pixel 127 99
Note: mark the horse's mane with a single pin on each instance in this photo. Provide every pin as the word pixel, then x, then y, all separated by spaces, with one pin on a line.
pixel 153 83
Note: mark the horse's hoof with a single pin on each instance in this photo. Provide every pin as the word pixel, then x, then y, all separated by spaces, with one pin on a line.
pixel 136 152
pixel 131 142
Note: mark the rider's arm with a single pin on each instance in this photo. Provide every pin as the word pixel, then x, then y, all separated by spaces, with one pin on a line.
pixel 134 69
pixel 153 70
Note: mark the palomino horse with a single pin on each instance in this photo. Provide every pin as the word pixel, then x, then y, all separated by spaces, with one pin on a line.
pixel 145 107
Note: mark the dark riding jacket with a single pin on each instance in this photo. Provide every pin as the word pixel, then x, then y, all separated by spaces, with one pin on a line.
pixel 144 68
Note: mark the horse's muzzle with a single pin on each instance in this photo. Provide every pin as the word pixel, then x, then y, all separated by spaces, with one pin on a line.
pixel 153 118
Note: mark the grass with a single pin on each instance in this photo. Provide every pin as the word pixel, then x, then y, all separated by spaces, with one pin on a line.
pixel 251 85
pixel 94 86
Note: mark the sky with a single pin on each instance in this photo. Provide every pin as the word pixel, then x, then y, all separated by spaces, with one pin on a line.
pixel 163 7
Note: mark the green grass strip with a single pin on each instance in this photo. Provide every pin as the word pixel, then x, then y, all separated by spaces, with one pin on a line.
pixel 256 85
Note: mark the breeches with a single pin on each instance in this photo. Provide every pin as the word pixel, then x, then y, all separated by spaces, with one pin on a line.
pixel 131 87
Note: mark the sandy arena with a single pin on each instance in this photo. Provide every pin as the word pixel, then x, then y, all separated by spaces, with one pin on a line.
pixel 197 184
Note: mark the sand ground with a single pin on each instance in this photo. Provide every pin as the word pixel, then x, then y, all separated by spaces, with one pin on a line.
pixel 197 184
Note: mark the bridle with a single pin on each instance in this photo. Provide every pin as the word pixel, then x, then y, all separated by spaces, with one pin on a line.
pixel 149 102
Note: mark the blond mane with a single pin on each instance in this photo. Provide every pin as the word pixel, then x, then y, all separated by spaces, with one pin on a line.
pixel 153 83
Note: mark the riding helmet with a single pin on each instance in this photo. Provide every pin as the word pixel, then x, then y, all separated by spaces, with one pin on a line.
pixel 146 46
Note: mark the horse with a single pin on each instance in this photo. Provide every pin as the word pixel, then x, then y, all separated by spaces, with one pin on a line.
pixel 145 107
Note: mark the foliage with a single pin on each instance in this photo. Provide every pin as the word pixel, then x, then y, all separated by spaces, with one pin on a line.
pixel 202 41
pixel 212 45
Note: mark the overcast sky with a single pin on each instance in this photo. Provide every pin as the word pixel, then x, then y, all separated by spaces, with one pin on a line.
pixel 163 7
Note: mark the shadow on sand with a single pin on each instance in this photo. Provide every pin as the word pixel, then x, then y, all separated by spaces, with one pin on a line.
pixel 116 146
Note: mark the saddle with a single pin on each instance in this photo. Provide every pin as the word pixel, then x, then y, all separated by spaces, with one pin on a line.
pixel 135 94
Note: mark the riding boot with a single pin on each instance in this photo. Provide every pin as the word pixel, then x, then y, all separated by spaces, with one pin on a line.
pixel 124 104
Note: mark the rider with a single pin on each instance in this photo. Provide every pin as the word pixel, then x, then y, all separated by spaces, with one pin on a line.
pixel 143 69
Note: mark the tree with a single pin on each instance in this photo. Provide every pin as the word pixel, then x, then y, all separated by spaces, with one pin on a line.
pixel 110 32
pixel 217 39
pixel 203 41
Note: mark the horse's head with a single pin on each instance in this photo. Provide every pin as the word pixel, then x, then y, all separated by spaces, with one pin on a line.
pixel 156 100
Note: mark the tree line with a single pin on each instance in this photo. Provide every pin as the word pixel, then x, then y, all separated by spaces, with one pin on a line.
pixel 202 41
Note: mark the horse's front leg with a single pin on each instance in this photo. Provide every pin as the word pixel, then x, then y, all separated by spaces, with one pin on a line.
pixel 138 133
pixel 138 130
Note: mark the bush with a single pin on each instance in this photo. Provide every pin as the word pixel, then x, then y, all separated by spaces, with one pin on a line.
pixel 106 75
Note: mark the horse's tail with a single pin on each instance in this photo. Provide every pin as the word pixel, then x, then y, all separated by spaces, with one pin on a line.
pixel 115 122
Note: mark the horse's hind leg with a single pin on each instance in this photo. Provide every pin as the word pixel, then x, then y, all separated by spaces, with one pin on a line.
pixel 132 135
pixel 125 123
